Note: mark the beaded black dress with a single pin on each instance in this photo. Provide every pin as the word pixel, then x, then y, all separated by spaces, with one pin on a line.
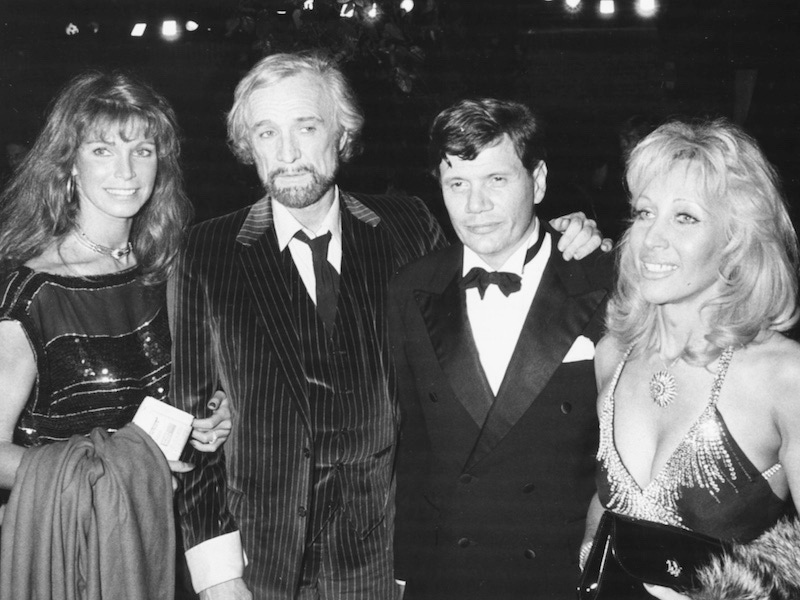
pixel 101 345
pixel 708 484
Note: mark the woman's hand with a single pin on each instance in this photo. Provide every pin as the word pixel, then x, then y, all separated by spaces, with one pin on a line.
pixel 209 434
pixel 178 466
pixel 664 593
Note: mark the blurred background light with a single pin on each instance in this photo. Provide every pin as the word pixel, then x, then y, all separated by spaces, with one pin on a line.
pixel 607 7
pixel 646 8
pixel 138 29
pixel 169 28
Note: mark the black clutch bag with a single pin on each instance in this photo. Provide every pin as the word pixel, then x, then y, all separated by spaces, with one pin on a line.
pixel 627 552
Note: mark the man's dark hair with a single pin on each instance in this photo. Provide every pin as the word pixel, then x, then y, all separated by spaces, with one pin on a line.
pixel 469 126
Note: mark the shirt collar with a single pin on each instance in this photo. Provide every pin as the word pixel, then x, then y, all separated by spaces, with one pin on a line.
pixel 514 264
pixel 286 225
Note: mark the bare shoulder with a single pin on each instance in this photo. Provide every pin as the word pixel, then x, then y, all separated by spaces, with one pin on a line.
pixel 49 261
pixel 608 355
pixel 15 348
pixel 770 370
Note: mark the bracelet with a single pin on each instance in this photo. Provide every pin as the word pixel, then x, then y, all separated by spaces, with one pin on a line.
pixel 584 554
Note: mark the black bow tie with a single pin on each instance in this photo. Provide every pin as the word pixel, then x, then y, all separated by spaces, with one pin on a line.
pixel 482 279
pixel 507 282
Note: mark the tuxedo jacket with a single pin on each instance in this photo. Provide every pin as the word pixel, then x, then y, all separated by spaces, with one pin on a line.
pixel 493 492
pixel 236 326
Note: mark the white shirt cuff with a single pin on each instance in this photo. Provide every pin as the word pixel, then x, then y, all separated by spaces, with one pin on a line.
pixel 216 561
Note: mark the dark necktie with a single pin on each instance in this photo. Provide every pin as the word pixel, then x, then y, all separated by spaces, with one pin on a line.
pixel 326 276
pixel 507 282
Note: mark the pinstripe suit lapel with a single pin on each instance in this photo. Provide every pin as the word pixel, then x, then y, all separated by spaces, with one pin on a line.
pixel 264 270
pixel 367 264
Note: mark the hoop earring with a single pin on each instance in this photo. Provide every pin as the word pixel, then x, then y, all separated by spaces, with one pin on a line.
pixel 71 189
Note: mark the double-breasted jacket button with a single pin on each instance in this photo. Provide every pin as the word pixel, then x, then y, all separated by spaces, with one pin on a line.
pixel 566 408
pixel 464 542
pixel 301 512
pixel 466 479
pixel 528 488
pixel 433 397
pixel 529 554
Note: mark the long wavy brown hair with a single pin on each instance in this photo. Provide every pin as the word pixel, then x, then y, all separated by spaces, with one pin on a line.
pixel 38 207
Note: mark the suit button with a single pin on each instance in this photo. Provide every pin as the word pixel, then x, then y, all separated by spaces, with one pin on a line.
pixel 466 479
pixel 301 512
pixel 306 452
pixel 433 397
pixel 566 408
pixel 464 542
pixel 530 554
pixel 528 488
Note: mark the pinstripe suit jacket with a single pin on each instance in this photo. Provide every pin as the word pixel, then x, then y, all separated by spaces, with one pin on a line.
pixel 233 326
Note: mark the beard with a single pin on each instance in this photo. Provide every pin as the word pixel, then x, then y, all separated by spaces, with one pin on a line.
pixel 299 196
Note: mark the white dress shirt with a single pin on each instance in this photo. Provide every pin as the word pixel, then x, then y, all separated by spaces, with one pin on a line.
pixel 286 226
pixel 497 320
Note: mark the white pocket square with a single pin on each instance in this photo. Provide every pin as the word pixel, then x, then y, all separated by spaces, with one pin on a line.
pixel 582 349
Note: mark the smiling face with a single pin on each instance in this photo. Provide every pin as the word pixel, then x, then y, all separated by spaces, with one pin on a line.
pixel 676 240
pixel 295 140
pixel 491 200
pixel 115 174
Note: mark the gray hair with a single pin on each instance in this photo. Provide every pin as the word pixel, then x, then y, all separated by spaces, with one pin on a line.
pixel 272 69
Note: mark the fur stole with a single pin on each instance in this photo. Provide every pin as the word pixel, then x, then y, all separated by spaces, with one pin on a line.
pixel 768 568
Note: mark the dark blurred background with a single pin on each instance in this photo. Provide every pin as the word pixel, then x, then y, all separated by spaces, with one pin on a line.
pixel 596 77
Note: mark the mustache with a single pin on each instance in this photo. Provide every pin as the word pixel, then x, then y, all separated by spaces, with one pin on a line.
pixel 296 171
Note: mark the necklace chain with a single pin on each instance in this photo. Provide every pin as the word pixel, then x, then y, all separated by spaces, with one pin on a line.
pixel 115 253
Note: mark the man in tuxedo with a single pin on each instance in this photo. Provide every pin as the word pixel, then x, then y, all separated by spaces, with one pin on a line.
pixel 493 340
pixel 283 304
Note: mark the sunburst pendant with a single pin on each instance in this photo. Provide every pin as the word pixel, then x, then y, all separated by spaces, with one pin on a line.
pixel 663 388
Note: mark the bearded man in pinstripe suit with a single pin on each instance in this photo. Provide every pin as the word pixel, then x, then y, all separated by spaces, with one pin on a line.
pixel 297 337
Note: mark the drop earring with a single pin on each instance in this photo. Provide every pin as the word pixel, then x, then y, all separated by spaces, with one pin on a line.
pixel 71 188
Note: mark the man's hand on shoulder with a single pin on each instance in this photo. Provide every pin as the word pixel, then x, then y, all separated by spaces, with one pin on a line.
pixel 235 589
pixel 579 236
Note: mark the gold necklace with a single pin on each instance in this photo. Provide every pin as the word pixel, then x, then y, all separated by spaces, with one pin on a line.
pixel 663 388
pixel 115 253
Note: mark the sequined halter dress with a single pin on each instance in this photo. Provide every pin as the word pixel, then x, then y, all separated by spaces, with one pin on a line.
pixel 101 345
pixel 707 485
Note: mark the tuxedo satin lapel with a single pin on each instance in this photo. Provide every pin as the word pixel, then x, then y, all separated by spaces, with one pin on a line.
pixel 445 317
pixel 554 321
pixel 264 270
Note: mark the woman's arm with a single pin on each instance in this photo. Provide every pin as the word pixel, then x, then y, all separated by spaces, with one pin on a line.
pixel 17 378
pixel 787 420
pixel 592 521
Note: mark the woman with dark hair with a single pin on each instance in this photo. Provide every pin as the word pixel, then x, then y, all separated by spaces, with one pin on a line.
pixel 89 226
pixel 699 388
